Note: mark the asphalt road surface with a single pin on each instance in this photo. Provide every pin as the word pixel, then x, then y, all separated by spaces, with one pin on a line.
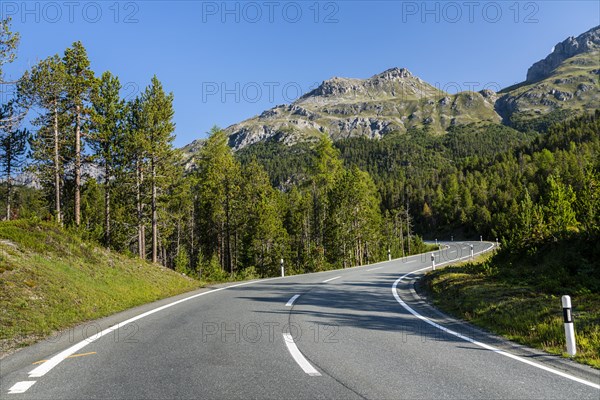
pixel 362 332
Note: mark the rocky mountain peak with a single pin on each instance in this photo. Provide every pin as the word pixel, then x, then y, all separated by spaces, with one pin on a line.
pixel 393 74
pixel 388 83
pixel 572 46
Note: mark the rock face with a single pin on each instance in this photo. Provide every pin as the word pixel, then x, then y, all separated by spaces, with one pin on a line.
pixel 565 80
pixel 586 42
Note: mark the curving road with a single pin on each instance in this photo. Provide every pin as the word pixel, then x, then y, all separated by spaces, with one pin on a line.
pixel 356 333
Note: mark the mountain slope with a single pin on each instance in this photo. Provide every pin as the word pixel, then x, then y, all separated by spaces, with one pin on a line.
pixel 393 101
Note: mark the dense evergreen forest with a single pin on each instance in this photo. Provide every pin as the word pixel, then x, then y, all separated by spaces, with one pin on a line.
pixel 107 169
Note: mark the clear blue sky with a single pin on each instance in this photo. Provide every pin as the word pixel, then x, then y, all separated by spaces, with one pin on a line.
pixel 263 53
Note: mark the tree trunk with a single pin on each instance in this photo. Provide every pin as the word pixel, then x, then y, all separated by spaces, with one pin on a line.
pixel 401 234
pixel 139 178
pixel 8 194
pixel 107 205
pixel 9 162
pixel 78 166
pixel 56 169
pixel 178 237
pixel 228 263
pixel 154 214
pixel 408 226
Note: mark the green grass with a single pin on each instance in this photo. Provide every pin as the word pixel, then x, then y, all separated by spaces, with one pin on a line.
pixel 524 313
pixel 50 280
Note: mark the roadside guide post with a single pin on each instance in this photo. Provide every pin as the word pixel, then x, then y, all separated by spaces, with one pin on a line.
pixel 569 328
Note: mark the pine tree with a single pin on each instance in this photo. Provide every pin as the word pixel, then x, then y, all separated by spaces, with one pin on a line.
pixel 134 166
pixel 106 137
pixel 157 122
pixel 327 168
pixel 218 177
pixel 263 235
pixel 79 83
pixel 297 224
pixel 45 87
pixel 356 218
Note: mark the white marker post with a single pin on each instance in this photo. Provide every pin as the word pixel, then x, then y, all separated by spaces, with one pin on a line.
pixel 480 238
pixel 452 238
pixel 389 255
pixel 497 243
pixel 436 243
pixel 282 270
pixel 569 328
pixel 471 252
pixel 433 261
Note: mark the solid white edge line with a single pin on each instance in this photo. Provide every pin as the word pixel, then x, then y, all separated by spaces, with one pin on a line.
pixel 292 300
pixel 475 342
pixel 298 356
pixel 20 387
pixel 331 279
pixel 44 368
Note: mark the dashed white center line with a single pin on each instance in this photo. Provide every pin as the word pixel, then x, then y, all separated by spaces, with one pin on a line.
pixel 20 387
pixel 299 357
pixel 292 300
pixel 331 279
pixel 373 269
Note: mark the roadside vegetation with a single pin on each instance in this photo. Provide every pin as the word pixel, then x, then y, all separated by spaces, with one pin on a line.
pixel 489 294
pixel 50 280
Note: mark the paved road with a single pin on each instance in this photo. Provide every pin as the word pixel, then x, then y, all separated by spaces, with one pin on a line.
pixel 356 333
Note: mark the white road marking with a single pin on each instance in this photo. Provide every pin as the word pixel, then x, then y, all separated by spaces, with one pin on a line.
pixel 410 262
pixel 20 387
pixel 44 368
pixel 292 300
pixel 475 342
pixel 374 269
pixel 299 357
pixel 331 279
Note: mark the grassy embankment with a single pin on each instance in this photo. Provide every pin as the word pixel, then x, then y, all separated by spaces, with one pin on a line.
pixel 50 280
pixel 519 296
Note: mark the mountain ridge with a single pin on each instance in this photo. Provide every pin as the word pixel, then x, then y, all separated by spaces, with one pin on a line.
pixel 396 100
